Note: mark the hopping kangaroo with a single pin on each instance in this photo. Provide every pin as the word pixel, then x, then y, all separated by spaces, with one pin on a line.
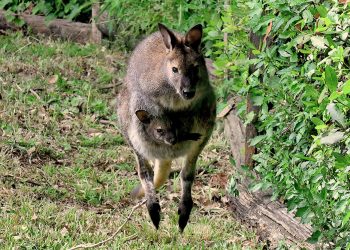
pixel 167 77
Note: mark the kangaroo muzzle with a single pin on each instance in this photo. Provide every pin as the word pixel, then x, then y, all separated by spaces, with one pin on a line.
pixel 187 90
pixel 187 93
pixel 171 140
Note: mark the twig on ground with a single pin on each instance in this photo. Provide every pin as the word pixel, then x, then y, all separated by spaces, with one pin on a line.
pixel 98 244
pixel 110 86
pixel 21 180
pixel 22 47
pixel 35 94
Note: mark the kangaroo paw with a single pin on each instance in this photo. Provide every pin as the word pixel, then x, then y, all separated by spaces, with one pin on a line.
pixel 154 212
pixel 184 211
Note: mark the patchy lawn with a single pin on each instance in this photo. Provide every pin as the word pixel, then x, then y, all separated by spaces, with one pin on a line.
pixel 65 170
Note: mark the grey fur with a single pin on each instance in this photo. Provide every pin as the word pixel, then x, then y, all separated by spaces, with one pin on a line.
pixel 182 95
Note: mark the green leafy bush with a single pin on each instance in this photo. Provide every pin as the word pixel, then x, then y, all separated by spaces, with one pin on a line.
pixel 51 9
pixel 302 84
pixel 129 20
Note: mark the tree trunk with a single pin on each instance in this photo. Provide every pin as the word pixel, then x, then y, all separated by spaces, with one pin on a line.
pixel 96 35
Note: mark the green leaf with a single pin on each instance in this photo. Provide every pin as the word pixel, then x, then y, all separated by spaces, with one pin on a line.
pixel 249 118
pixel 232 187
pixel 346 87
pixel 320 127
pixel 256 187
pixel 331 79
pixel 346 219
pixel 284 53
pixel 301 211
pixel 293 19
pixel 303 157
pixel 3 3
pixel 257 139
pixel 341 161
pixel 232 161
pixel 314 238
pixel 334 95
pixel 322 95
pixel 317 121
pixel 322 10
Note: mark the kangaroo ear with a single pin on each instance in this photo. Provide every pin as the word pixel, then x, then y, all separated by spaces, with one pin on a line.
pixel 169 38
pixel 194 36
pixel 143 116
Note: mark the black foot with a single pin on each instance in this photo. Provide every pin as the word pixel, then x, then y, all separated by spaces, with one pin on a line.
pixel 184 211
pixel 154 212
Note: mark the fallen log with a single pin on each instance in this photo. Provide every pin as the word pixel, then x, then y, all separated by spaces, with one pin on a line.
pixel 57 28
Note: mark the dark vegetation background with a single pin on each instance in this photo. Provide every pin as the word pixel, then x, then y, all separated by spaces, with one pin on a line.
pixel 301 84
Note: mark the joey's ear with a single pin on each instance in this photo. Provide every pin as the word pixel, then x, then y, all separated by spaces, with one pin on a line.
pixel 143 116
pixel 194 36
pixel 169 38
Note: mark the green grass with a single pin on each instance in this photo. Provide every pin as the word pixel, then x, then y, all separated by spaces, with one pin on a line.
pixel 66 172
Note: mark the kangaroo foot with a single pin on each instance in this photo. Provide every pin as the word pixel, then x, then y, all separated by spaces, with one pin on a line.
pixel 184 211
pixel 154 212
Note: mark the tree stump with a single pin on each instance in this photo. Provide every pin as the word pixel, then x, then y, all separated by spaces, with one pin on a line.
pixel 271 219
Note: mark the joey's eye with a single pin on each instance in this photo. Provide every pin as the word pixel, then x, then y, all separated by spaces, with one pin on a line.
pixel 160 131
pixel 175 70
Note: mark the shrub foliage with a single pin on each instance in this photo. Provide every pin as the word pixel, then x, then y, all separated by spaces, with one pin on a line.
pixel 302 84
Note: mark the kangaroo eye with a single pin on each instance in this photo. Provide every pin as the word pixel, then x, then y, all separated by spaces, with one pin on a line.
pixel 175 70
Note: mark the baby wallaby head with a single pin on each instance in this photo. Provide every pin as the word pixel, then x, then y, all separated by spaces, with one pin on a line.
pixel 160 129
pixel 183 59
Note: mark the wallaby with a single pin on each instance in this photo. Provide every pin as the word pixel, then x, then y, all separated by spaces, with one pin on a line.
pixel 153 137
pixel 167 76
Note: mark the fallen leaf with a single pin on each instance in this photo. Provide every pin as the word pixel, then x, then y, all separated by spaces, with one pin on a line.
pixel 17 237
pixel 53 79
pixel 332 138
pixel 219 180
pixel 31 150
pixel 34 217
pixel 64 231
pixel 319 42
pixel 336 114
pixel 268 30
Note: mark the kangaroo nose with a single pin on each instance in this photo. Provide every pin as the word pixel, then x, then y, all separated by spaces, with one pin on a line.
pixel 188 94
pixel 171 141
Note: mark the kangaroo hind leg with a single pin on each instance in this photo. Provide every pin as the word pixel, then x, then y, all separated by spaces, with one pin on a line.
pixel 187 177
pixel 145 173
pixel 162 170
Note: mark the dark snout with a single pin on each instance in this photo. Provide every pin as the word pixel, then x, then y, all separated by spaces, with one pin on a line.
pixel 188 93
pixel 171 140
pixel 187 89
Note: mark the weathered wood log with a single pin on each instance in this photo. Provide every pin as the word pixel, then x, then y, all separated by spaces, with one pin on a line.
pixel 61 28
pixel 271 219
pixel 58 28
